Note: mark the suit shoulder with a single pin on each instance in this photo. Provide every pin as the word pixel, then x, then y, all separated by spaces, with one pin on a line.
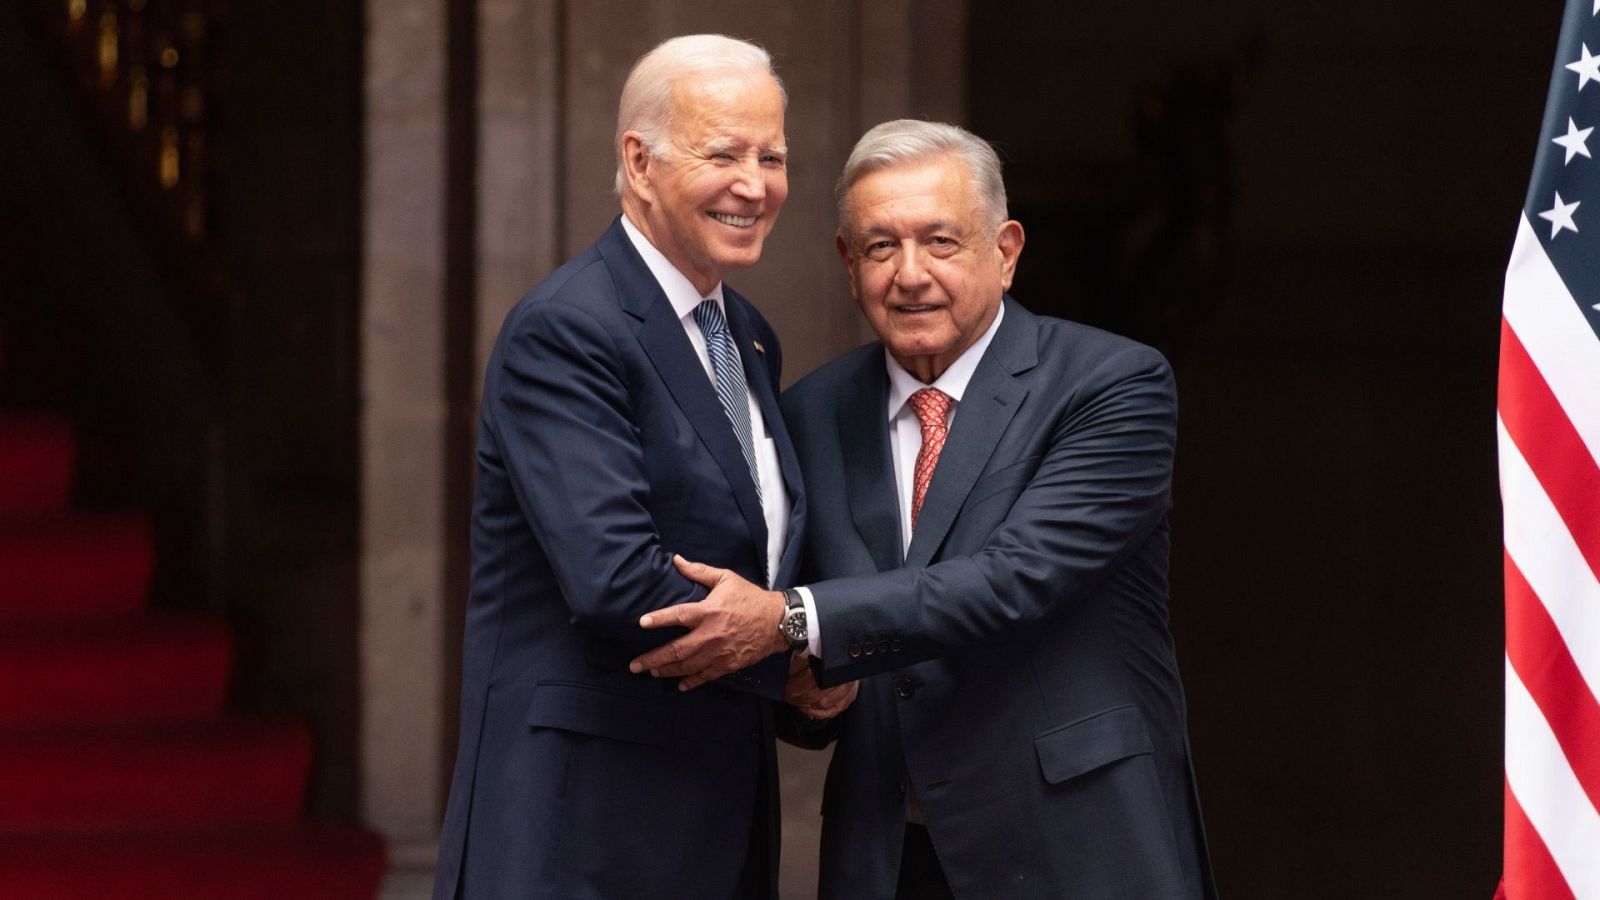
pixel 1096 348
pixel 576 306
pixel 582 284
pixel 823 384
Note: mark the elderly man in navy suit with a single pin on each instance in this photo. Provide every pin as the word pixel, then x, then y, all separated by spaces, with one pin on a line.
pixel 987 550
pixel 630 410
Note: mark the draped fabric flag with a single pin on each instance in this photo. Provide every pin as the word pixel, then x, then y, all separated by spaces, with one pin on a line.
pixel 1549 425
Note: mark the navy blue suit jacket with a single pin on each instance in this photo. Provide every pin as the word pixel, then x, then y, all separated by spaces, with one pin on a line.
pixel 1018 672
pixel 602 451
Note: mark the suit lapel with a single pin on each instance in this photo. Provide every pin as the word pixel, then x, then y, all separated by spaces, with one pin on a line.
pixel 868 469
pixel 662 336
pixel 991 399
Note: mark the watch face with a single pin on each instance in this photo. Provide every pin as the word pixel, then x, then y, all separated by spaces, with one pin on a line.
pixel 794 625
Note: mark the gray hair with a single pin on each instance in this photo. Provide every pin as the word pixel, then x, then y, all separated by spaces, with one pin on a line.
pixel 913 140
pixel 646 105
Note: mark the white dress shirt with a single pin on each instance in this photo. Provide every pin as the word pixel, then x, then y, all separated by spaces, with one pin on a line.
pixel 905 441
pixel 775 503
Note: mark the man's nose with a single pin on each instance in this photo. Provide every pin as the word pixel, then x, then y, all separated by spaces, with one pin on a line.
pixel 751 183
pixel 911 273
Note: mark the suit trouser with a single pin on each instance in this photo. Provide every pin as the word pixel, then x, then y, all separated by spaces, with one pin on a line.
pixel 921 876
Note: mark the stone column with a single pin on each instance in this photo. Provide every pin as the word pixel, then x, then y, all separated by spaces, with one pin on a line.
pixel 402 436
pixel 520 188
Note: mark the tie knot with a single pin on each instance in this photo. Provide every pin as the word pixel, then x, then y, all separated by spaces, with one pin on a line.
pixel 931 405
pixel 708 315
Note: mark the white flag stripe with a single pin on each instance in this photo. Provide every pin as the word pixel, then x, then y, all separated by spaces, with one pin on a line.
pixel 1548 322
pixel 1537 540
pixel 1549 793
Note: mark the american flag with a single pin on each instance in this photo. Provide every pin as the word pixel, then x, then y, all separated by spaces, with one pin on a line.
pixel 1549 427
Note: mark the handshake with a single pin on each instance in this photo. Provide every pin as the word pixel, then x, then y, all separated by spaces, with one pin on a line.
pixel 734 627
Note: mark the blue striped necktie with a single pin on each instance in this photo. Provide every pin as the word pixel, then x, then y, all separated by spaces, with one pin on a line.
pixel 730 380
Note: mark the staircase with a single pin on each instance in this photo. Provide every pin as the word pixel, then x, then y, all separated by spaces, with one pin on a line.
pixel 122 775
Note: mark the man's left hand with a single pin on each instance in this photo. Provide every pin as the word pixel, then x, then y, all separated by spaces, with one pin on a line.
pixel 802 692
pixel 734 627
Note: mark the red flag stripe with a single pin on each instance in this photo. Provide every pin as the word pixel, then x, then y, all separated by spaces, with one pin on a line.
pixel 1555 452
pixel 1547 669
pixel 1530 872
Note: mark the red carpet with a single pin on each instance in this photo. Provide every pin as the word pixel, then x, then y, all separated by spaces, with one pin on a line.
pixel 36 456
pixel 60 564
pixel 304 862
pixel 121 775
pixel 113 669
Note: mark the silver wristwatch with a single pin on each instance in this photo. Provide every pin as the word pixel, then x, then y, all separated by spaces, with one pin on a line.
pixel 793 623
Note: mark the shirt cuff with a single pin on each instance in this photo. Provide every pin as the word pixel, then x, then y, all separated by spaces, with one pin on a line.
pixel 813 625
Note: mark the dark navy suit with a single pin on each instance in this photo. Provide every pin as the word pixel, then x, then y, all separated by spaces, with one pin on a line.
pixel 1019 675
pixel 603 450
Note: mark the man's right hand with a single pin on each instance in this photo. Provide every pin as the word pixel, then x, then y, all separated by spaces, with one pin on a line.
pixel 815 702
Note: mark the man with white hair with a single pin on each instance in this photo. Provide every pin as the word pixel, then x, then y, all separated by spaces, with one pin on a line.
pixel 629 412
pixel 987 551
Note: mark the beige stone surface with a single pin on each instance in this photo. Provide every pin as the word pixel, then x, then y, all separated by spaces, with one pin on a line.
pixel 402 414
pixel 801 778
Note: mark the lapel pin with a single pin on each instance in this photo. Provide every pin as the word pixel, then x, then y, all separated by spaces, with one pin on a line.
pixel 757 344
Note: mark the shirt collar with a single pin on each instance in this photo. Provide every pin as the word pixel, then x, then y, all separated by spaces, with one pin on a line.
pixel 952 381
pixel 680 293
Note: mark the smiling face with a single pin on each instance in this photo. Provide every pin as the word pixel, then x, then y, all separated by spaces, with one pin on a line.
pixel 708 198
pixel 925 267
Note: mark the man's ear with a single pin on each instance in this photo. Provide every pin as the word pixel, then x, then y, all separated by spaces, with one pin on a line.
pixel 636 166
pixel 843 247
pixel 1009 244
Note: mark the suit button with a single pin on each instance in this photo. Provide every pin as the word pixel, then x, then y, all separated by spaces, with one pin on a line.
pixel 883 646
pixel 855 649
pixel 895 645
pixel 905 689
pixel 900 791
pixel 868 647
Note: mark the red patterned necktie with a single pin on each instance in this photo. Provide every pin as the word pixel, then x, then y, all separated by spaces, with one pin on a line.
pixel 933 411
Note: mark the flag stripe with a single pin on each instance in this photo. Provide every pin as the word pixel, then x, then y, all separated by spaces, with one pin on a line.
pixel 1552 447
pixel 1531 873
pixel 1537 772
pixel 1548 321
pixel 1541 659
pixel 1544 552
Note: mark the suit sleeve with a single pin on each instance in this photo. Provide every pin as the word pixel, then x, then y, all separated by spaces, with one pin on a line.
pixel 1102 487
pixel 565 431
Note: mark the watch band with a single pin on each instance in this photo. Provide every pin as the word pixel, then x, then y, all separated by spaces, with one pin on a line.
pixel 793 624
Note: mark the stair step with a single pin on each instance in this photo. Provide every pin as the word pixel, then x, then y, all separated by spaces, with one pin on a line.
pixel 306 861
pixel 36 459
pixel 74 565
pixel 113 669
pixel 208 772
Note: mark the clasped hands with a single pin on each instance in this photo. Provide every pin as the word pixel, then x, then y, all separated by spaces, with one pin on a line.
pixel 734 627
